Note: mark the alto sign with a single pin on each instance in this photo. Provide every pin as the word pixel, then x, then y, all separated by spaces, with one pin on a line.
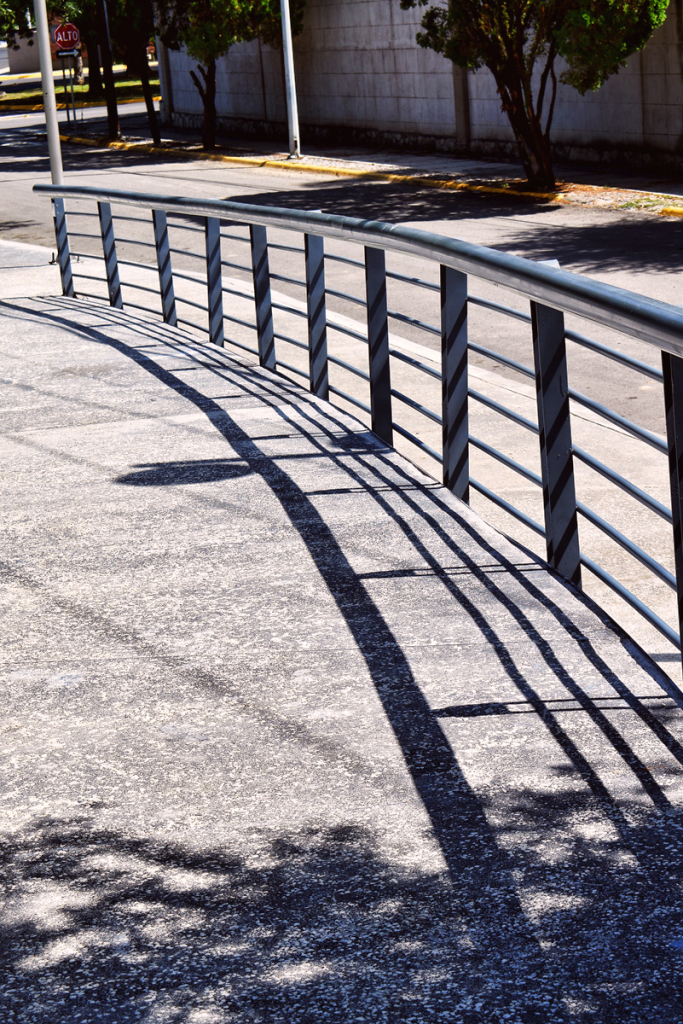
pixel 67 37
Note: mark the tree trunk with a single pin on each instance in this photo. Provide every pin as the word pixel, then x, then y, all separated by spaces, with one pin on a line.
pixel 209 98
pixel 79 77
pixel 207 91
pixel 532 139
pixel 149 98
pixel 95 89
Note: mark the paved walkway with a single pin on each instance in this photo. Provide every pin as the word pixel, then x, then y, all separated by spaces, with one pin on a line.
pixel 259 755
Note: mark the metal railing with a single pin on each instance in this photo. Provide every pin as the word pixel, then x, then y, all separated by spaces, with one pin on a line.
pixel 552 293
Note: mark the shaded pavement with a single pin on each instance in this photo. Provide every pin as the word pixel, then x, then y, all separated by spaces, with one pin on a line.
pixel 289 733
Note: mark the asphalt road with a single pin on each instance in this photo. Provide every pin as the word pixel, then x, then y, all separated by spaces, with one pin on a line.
pixel 631 249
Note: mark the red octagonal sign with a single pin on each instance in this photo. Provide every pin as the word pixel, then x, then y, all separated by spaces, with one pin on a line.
pixel 67 36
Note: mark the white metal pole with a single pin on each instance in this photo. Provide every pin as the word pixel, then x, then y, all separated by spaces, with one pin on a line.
pixel 49 101
pixel 290 84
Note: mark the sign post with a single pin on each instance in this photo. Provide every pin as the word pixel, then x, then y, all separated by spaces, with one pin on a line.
pixel 290 85
pixel 68 38
pixel 49 102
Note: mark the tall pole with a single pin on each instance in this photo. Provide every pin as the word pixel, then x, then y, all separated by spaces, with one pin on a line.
pixel 290 84
pixel 108 71
pixel 49 101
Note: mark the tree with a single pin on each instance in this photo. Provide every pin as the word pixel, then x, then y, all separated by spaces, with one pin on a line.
pixel 132 25
pixel 519 41
pixel 15 20
pixel 208 28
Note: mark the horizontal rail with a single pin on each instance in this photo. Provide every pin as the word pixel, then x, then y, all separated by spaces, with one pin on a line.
pixel 618 537
pixel 292 369
pixel 521 421
pixel 504 360
pixel 616 478
pixel 291 341
pixel 143 309
pixel 140 287
pixel 414 322
pixel 185 252
pixel 349 398
pixel 507 507
pixel 277 277
pixel 506 460
pixel 234 291
pixel 289 309
pixel 91 295
pixel 89 277
pixel 191 323
pixel 346 296
pixel 240 344
pixel 656 323
pixel 413 280
pixel 635 602
pixel 280 245
pixel 433 416
pixel 190 302
pixel 348 366
pixel 349 331
pixel 125 216
pixel 235 238
pixel 615 355
pixel 344 259
pixel 134 241
pixel 242 323
pixel 418 442
pixel 239 266
pixel 397 354
pixel 620 421
pixel 498 307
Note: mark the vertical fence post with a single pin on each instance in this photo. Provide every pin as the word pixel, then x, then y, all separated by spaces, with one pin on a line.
pixel 111 266
pixel 557 466
pixel 262 300
pixel 378 343
pixel 672 367
pixel 456 466
pixel 164 266
pixel 63 254
pixel 317 316
pixel 214 284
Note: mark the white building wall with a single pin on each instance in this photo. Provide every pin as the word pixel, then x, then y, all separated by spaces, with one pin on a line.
pixel 359 69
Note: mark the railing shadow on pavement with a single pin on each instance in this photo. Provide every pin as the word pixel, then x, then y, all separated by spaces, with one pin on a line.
pixel 568 522
pixel 473 928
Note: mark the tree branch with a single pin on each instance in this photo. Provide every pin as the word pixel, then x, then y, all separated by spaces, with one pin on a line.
pixel 551 108
pixel 200 88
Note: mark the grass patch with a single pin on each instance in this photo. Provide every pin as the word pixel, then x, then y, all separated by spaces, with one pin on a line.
pixel 126 89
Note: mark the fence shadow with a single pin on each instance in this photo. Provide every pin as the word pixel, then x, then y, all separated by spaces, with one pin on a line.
pixel 331 931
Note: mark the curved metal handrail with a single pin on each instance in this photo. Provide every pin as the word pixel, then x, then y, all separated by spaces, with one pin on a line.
pixel 649 320
pixel 552 292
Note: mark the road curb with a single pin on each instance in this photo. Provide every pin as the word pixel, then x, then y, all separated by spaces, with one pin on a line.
pixel 24 108
pixel 341 172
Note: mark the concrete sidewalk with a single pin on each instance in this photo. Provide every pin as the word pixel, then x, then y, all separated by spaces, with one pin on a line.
pixel 259 678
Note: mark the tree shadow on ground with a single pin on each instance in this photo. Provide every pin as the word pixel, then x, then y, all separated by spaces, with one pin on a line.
pixel 560 905
pixel 315 925
pixel 625 242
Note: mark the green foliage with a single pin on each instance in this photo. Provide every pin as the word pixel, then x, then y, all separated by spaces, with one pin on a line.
pixel 516 38
pixel 597 38
pixel 208 28
pixel 15 19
